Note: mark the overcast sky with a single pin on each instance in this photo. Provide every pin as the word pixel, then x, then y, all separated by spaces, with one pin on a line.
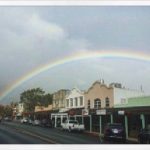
pixel 32 36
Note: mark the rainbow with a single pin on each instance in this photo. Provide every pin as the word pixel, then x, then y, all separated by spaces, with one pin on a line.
pixel 75 57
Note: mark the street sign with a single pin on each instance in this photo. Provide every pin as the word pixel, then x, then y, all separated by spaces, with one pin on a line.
pixel 85 112
pixel 101 112
pixel 121 112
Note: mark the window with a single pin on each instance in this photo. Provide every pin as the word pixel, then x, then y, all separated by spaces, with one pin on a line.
pixel 123 101
pixel 67 102
pixel 107 102
pixel 88 105
pixel 81 100
pixel 76 101
pixel 97 103
pixel 71 102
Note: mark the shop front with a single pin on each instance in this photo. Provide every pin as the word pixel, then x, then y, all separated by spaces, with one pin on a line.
pixel 58 118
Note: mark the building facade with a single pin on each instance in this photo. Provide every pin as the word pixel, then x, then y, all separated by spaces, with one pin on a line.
pixel 137 113
pixel 19 109
pixel 43 108
pixel 59 99
pixel 121 95
pixel 75 99
pixel 99 96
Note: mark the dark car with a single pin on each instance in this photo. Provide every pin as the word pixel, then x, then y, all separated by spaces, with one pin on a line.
pixel 114 132
pixel 46 123
pixel 144 135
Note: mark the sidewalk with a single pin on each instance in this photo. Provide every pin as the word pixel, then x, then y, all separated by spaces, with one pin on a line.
pixel 130 139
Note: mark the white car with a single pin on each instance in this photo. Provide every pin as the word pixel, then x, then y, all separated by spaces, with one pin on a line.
pixel 36 122
pixel 24 120
pixel 72 125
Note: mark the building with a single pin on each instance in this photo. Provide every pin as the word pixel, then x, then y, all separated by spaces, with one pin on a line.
pixel 137 113
pixel 101 100
pixel 99 96
pixel 121 95
pixel 59 99
pixel 19 110
pixel 98 99
pixel 72 105
pixel 43 108
pixel 75 99
pixel 58 106
pixel 104 104
pixel 42 112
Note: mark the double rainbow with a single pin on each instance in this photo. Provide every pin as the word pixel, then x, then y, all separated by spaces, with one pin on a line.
pixel 75 57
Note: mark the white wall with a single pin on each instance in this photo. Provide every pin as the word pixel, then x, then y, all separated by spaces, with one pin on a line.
pixel 73 94
pixel 120 94
pixel 20 108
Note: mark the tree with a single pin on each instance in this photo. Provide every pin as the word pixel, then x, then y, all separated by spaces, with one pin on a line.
pixel 47 100
pixel 13 104
pixel 1 110
pixel 31 98
pixel 8 111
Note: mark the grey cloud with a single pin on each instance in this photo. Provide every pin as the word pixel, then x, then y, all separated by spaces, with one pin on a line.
pixel 32 36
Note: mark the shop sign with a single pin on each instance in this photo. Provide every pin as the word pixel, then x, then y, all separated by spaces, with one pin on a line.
pixel 101 112
pixel 85 112
pixel 63 109
pixel 121 112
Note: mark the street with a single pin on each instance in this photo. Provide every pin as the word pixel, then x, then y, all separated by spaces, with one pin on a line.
pixel 16 133
pixel 10 136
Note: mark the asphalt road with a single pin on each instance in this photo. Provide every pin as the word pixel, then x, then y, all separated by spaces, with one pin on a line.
pixel 17 133
pixel 10 136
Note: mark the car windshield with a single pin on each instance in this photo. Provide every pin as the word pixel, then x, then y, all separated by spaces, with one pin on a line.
pixel 73 121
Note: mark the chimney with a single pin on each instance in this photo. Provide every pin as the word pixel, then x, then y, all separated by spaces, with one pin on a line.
pixel 101 81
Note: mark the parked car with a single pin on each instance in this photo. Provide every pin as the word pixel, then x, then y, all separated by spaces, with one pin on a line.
pixel 114 132
pixel 30 121
pixel 72 125
pixel 7 119
pixel 36 122
pixel 46 123
pixel 24 120
pixel 144 135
